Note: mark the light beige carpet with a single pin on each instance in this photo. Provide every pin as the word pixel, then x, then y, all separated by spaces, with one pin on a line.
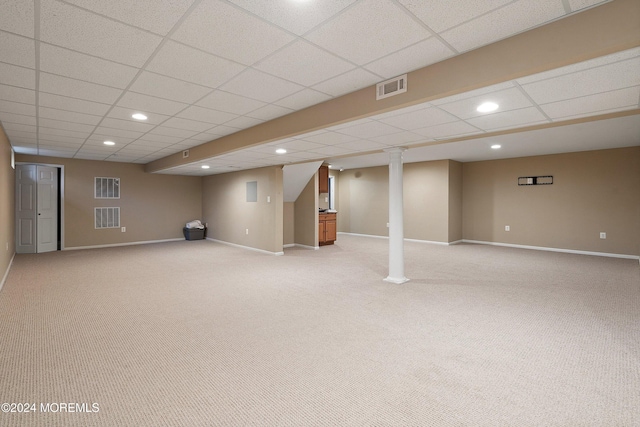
pixel 196 333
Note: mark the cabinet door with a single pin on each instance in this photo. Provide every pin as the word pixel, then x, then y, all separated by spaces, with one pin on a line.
pixel 323 179
pixel 321 232
pixel 330 230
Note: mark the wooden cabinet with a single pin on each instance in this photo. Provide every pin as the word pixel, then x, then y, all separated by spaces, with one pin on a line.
pixel 323 179
pixel 327 229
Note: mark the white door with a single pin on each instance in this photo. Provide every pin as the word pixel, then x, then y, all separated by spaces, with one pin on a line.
pixel 47 207
pixel 26 209
pixel 36 209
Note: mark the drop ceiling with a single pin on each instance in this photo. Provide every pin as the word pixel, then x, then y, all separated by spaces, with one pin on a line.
pixel 73 72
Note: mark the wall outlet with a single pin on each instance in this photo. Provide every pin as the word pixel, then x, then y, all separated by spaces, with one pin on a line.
pixel 603 235
pixel 268 199
pixel 123 229
pixel 326 199
pixel 507 228
pixel 246 231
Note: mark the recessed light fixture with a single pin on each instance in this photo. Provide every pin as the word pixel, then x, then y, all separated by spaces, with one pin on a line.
pixel 109 143
pixel 487 107
pixel 281 151
pixel 496 146
pixel 205 166
pixel 139 116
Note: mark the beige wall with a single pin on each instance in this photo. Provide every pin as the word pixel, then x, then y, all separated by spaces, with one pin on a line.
pixel 432 200
pixel 288 214
pixel 592 192
pixel 306 214
pixel 7 205
pixel 455 201
pixel 225 208
pixel 152 207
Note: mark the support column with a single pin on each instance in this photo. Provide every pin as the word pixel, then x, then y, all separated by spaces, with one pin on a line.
pixel 396 218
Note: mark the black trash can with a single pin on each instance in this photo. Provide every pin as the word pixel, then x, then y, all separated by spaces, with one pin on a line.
pixel 194 233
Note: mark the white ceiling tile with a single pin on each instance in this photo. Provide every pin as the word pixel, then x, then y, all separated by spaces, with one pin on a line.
pixel 448 130
pixel 77 29
pixel 588 82
pixel 230 32
pixel 303 63
pixel 269 112
pixel 243 122
pixel 507 99
pixel 18 50
pixel 401 111
pixel 473 93
pixel 580 66
pixel 297 145
pixel 230 103
pixel 150 104
pixel 186 124
pixel 56 153
pixel 163 130
pixel 439 15
pixel 71 104
pixel 222 130
pixel 508 119
pixel 64 125
pixel 20 129
pixel 153 15
pixel 304 98
pixel 329 138
pixel 68 116
pixel 25 150
pixel 200 138
pixel 63 144
pixel 17 108
pixel 206 115
pixel 297 17
pixel 363 145
pixel 592 113
pixel 64 62
pixel 261 86
pixel 399 138
pixel 367 31
pixel 419 55
pixel 48 131
pixel 513 18
pixel 581 4
pixel 17 17
pixel 18 119
pixel 17 94
pixel 348 82
pixel 65 86
pixel 420 118
pixel 17 76
pixel 370 130
pixel 114 132
pixel 622 98
pixel 124 113
pixel 349 124
pixel 332 150
pixel 168 88
pixel 128 124
pixel 154 139
pixel 194 65
pixel 58 139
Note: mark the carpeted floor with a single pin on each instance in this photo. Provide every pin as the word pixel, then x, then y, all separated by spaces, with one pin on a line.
pixel 197 333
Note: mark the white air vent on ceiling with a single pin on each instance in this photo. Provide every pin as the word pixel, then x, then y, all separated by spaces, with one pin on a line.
pixel 391 87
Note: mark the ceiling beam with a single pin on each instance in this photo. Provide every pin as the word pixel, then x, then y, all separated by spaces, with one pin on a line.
pixel 602 30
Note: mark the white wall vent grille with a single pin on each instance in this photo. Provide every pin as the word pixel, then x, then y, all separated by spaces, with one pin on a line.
pixel 391 87
pixel 185 154
pixel 107 217
pixel 107 188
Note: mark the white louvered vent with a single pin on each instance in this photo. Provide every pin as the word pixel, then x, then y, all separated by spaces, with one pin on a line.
pixel 185 154
pixel 391 87
pixel 107 188
pixel 107 217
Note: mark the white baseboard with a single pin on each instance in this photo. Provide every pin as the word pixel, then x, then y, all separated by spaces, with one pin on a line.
pixel 245 247
pixel 6 273
pixel 314 248
pixel 146 242
pixel 289 245
pixel 542 248
pixel 432 242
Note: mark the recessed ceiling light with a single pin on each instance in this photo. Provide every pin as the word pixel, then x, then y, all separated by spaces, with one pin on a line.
pixel 496 146
pixel 205 166
pixel 281 151
pixel 487 107
pixel 139 116
pixel 109 143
